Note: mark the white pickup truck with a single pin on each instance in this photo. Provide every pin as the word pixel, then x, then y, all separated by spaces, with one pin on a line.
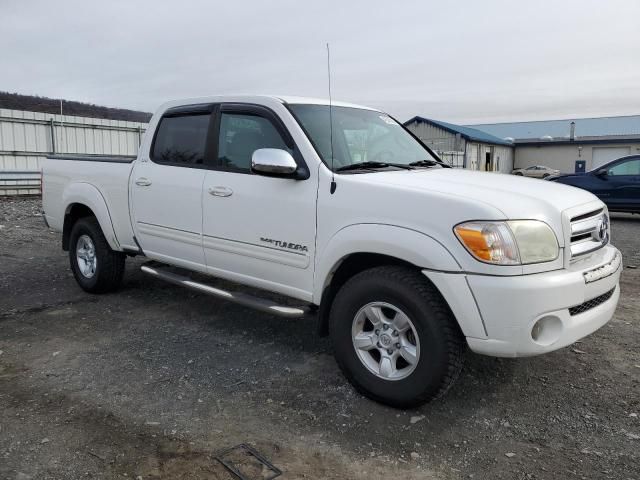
pixel 405 262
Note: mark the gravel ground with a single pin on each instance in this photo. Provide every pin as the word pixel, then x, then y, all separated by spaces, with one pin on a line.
pixel 152 381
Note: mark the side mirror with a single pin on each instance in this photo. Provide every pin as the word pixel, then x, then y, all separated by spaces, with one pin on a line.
pixel 273 161
pixel 602 172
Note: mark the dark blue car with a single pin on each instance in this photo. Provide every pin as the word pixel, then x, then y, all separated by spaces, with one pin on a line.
pixel 616 183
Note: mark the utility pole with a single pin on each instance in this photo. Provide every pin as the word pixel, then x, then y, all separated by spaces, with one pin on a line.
pixel 62 131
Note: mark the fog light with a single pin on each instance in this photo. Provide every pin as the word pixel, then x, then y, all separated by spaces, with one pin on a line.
pixel 547 330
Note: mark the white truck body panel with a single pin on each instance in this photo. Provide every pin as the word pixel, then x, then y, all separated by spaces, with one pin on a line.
pixel 102 186
pixel 183 217
pixel 170 230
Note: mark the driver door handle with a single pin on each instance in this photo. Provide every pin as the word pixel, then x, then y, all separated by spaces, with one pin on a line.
pixel 143 182
pixel 220 191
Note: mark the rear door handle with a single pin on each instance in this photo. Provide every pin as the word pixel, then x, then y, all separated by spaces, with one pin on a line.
pixel 143 182
pixel 220 191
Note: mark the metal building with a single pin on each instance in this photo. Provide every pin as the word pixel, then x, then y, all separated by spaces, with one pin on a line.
pixel 464 147
pixel 572 145
pixel 26 138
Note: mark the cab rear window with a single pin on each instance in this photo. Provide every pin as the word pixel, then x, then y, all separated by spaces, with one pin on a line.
pixel 181 140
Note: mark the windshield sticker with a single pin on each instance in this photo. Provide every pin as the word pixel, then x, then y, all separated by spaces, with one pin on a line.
pixel 387 119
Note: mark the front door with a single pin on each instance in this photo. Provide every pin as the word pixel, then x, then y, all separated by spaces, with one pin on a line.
pixel 166 190
pixel 623 185
pixel 257 229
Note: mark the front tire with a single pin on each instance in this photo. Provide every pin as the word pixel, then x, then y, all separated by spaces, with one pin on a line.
pixel 96 267
pixel 395 338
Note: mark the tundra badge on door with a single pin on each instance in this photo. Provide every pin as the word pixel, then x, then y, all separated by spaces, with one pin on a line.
pixel 284 244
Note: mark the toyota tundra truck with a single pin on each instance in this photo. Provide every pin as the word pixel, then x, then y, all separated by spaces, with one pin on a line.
pixel 346 216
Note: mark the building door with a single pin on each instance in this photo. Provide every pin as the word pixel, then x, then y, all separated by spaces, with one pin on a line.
pixel 602 155
pixel 472 156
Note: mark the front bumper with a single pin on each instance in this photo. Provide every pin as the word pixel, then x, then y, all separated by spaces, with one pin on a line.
pixel 538 313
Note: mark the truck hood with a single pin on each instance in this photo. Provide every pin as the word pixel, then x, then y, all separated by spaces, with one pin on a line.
pixel 511 197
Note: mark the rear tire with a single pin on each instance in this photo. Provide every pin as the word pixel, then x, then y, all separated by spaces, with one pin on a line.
pixel 519 174
pixel 402 370
pixel 96 267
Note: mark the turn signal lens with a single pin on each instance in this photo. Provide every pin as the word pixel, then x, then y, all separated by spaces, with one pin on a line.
pixel 490 242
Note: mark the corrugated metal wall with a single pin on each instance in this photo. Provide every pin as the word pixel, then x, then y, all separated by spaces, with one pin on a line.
pixel 450 147
pixel 453 148
pixel 26 138
pixel 503 158
pixel 436 138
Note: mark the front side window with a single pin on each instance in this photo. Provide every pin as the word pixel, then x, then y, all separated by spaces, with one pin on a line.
pixel 359 135
pixel 630 167
pixel 243 134
pixel 181 140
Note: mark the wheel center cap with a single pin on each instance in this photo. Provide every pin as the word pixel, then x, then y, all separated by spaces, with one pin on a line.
pixel 385 340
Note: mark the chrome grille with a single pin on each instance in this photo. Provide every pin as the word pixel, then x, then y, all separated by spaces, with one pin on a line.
pixel 593 303
pixel 589 232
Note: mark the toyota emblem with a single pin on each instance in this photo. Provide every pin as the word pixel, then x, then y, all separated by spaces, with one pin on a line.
pixel 603 230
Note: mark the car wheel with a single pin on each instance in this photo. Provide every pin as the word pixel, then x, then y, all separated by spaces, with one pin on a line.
pixel 96 267
pixel 518 173
pixel 546 175
pixel 395 338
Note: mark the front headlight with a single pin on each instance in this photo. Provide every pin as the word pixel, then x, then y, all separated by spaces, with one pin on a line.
pixel 515 242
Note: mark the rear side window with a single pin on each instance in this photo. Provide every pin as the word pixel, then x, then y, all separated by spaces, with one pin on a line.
pixel 243 134
pixel 181 140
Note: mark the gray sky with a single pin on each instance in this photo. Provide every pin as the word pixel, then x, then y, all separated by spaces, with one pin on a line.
pixel 463 61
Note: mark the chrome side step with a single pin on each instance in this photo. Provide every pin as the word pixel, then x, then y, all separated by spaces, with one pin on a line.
pixel 237 297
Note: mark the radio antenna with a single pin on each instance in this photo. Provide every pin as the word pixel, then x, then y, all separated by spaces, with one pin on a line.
pixel 332 189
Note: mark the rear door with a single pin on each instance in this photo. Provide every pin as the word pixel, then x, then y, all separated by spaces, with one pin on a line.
pixel 166 188
pixel 258 229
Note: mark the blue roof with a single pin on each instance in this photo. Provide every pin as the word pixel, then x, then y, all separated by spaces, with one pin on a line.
pixel 468 133
pixel 559 129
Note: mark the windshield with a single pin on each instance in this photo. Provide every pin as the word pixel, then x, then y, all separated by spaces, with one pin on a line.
pixel 359 136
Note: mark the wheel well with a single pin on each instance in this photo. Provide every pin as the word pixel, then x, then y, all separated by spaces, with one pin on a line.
pixel 348 267
pixel 75 212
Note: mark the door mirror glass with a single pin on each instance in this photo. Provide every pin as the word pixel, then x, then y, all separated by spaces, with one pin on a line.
pixel 273 161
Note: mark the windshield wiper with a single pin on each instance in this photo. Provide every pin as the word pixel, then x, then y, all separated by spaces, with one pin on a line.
pixel 370 164
pixel 425 163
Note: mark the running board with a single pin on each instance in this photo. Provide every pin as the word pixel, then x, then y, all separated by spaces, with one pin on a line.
pixel 236 297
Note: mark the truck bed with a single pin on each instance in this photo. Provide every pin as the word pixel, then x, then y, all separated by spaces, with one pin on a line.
pixel 106 177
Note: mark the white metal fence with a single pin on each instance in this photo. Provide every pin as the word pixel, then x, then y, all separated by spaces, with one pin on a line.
pixel 455 159
pixel 26 138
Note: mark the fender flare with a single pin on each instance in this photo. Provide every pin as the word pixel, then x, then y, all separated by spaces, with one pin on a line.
pixel 88 195
pixel 404 243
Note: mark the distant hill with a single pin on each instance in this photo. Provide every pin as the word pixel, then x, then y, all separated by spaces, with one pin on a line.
pixel 15 101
